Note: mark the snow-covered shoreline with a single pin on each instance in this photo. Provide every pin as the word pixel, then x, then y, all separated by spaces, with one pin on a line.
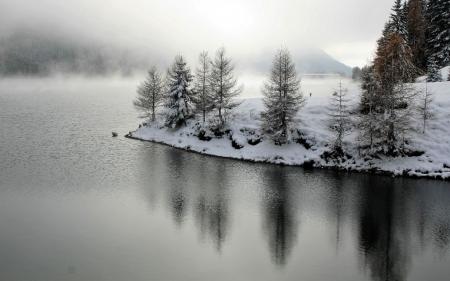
pixel 245 141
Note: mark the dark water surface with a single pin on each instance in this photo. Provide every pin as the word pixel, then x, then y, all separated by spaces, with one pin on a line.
pixel 76 204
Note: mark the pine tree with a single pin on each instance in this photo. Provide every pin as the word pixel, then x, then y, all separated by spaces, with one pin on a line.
pixel 356 73
pixel 178 100
pixel 368 87
pixel 393 62
pixel 282 98
pixel 202 89
pixel 393 68
pixel 416 27
pixel 397 19
pixel 339 117
pixel 438 31
pixel 433 71
pixel 424 107
pixel 223 86
pixel 150 94
pixel 369 118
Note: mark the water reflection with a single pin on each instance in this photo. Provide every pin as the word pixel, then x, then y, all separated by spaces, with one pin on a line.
pixel 383 235
pixel 211 209
pixel 280 207
pixel 389 221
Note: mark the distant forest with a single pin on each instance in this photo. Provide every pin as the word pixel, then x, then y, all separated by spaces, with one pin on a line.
pixel 27 53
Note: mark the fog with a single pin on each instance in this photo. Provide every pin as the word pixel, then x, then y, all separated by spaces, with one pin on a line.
pixel 347 29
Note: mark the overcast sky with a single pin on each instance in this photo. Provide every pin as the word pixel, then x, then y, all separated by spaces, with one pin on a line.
pixel 346 29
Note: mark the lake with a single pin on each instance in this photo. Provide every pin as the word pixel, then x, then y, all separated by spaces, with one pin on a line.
pixel 77 204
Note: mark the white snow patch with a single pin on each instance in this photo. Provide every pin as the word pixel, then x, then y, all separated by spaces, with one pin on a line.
pixel 312 123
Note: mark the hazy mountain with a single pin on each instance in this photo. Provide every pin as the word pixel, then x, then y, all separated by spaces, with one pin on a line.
pixel 307 60
pixel 29 52
pixel 316 61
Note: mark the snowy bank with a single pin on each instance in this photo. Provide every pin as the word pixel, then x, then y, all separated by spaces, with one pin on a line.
pixel 245 141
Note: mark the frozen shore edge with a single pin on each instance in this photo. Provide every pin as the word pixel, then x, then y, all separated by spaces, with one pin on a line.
pixel 308 164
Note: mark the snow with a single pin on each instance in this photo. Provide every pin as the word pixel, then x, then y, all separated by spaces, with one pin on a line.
pixel 444 74
pixel 313 124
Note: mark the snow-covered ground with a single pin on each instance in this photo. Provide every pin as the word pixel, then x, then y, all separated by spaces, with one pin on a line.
pixel 316 138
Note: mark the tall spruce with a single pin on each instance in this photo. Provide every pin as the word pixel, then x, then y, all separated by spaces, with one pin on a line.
pixel 438 32
pixel 395 25
pixel 202 89
pixel 416 27
pixel 224 87
pixel 398 19
pixel 150 94
pixel 282 98
pixel 178 97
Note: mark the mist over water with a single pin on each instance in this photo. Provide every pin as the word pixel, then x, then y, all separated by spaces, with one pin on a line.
pixel 77 204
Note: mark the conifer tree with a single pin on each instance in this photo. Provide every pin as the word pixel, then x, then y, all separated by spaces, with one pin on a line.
pixel 397 19
pixel 150 94
pixel 368 87
pixel 438 31
pixel 224 87
pixel 370 112
pixel 282 98
pixel 393 68
pixel 178 99
pixel 433 71
pixel 339 117
pixel 416 26
pixel 202 98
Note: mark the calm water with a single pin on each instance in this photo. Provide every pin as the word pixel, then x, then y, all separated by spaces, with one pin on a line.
pixel 76 204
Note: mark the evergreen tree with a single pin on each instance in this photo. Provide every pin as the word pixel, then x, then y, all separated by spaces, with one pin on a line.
pixel 398 19
pixel 438 31
pixel 356 73
pixel 393 67
pixel 202 98
pixel 368 87
pixel 178 100
pixel 150 94
pixel 393 63
pixel 416 26
pixel 223 86
pixel 339 117
pixel 433 71
pixel 282 98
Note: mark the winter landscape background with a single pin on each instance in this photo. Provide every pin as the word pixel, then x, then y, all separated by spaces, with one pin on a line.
pixel 346 104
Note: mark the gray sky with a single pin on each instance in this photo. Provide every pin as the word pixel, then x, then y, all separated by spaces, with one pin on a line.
pixel 346 29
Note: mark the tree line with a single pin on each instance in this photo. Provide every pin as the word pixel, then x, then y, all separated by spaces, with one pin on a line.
pixel 387 104
pixel 211 94
pixel 415 41
pixel 184 95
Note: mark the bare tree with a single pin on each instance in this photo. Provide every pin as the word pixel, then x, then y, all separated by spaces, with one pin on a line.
pixel 424 107
pixel 223 85
pixel 150 94
pixel 340 122
pixel 282 98
pixel 202 89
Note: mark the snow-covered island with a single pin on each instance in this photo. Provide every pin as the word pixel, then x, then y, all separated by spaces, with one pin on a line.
pixel 312 139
